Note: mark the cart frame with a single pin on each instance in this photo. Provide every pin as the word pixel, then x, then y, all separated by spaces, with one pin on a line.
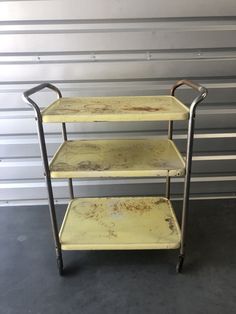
pixel 43 149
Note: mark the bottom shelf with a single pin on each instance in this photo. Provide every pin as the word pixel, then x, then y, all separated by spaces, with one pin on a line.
pixel 119 223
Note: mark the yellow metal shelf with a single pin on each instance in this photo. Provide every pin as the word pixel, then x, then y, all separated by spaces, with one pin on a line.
pixel 120 223
pixel 129 108
pixel 117 158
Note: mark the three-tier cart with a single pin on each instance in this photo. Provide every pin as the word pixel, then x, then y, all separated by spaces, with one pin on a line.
pixel 117 223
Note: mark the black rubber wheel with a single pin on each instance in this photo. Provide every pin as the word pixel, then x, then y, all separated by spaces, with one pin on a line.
pixel 179 266
pixel 60 266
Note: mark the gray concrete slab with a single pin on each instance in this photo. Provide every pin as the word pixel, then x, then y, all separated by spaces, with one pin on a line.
pixel 118 281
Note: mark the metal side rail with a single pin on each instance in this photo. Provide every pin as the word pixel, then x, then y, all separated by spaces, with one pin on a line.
pixel 43 150
pixel 192 110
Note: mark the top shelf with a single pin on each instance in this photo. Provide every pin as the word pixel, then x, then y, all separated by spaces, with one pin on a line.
pixel 125 108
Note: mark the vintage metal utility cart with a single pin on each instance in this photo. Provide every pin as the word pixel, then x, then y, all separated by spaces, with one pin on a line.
pixel 122 223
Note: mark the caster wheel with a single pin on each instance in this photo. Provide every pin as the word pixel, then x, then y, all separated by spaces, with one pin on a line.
pixel 179 265
pixel 60 266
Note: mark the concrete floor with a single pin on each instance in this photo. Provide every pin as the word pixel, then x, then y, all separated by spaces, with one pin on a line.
pixel 118 281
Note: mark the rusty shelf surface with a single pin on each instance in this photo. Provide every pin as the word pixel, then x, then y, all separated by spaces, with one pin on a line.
pixel 128 108
pixel 117 158
pixel 119 223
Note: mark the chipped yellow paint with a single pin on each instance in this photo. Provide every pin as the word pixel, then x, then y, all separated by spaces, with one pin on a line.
pixel 120 223
pixel 117 158
pixel 129 108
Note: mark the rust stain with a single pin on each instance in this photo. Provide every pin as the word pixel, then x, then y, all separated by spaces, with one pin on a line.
pixel 60 166
pixel 146 108
pixel 67 110
pixel 89 146
pixel 136 207
pixel 98 107
pixel 96 213
pixel 160 201
pixel 139 208
pixel 84 165
pixel 109 227
pixel 111 234
pixel 170 223
pixel 90 165
pixel 86 108
pixel 91 214
pixel 116 208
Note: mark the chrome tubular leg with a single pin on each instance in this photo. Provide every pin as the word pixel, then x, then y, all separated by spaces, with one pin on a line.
pixel 43 149
pixel 202 94
pixel 50 195
pixel 70 182
pixel 186 189
pixel 170 133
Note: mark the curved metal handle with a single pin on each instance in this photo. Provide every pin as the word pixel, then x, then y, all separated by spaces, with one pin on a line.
pixel 197 87
pixel 37 88
pixel 29 92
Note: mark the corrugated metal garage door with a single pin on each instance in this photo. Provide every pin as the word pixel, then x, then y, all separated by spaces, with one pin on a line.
pixel 114 47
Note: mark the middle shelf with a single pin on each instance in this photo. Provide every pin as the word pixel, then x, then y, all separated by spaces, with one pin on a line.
pixel 117 158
